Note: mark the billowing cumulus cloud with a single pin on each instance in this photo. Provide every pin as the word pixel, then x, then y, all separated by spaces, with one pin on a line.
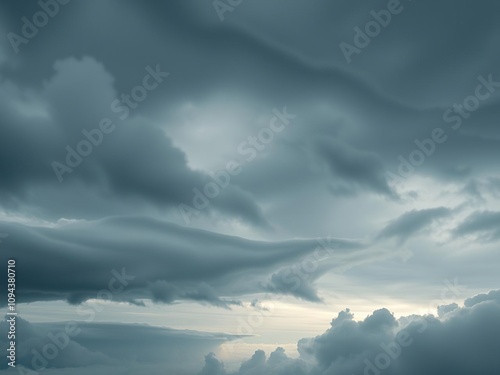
pixel 462 341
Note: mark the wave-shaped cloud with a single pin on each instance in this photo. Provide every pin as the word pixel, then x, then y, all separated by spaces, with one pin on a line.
pixel 144 258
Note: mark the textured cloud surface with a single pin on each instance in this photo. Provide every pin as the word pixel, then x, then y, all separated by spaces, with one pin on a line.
pixel 108 347
pixel 139 258
pixel 252 167
pixel 463 341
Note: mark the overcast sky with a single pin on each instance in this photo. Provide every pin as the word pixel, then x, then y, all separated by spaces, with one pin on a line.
pixel 238 187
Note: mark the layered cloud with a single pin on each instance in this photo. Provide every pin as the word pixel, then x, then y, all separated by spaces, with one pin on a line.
pixel 134 258
pixel 462 340
pixel 55 348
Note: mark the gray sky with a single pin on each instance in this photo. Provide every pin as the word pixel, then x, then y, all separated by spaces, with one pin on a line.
pixel 227 177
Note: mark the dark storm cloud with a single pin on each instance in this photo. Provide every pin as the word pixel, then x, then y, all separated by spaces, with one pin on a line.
pixel 380 119
pixel 446 309
pixel 137 160
pixel 413 222
pixel 142 258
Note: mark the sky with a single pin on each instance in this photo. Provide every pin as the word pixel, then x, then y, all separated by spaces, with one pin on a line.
pixel 236 187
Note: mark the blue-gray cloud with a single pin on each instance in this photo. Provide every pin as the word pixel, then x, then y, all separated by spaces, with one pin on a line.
pixel 485 225
pixel 412 222
pixel 147 259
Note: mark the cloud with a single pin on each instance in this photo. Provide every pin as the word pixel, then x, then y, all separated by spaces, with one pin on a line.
pixel 278 363
pixel 359 169
pixel 285 281
pixel 84 346
pixel 134 258
pixel 413 222
pixel 363 112
pixel 493 295
pixel 463 341
pixel 135 162
pixel 325 175
pixel 485 225
pixel 212 366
